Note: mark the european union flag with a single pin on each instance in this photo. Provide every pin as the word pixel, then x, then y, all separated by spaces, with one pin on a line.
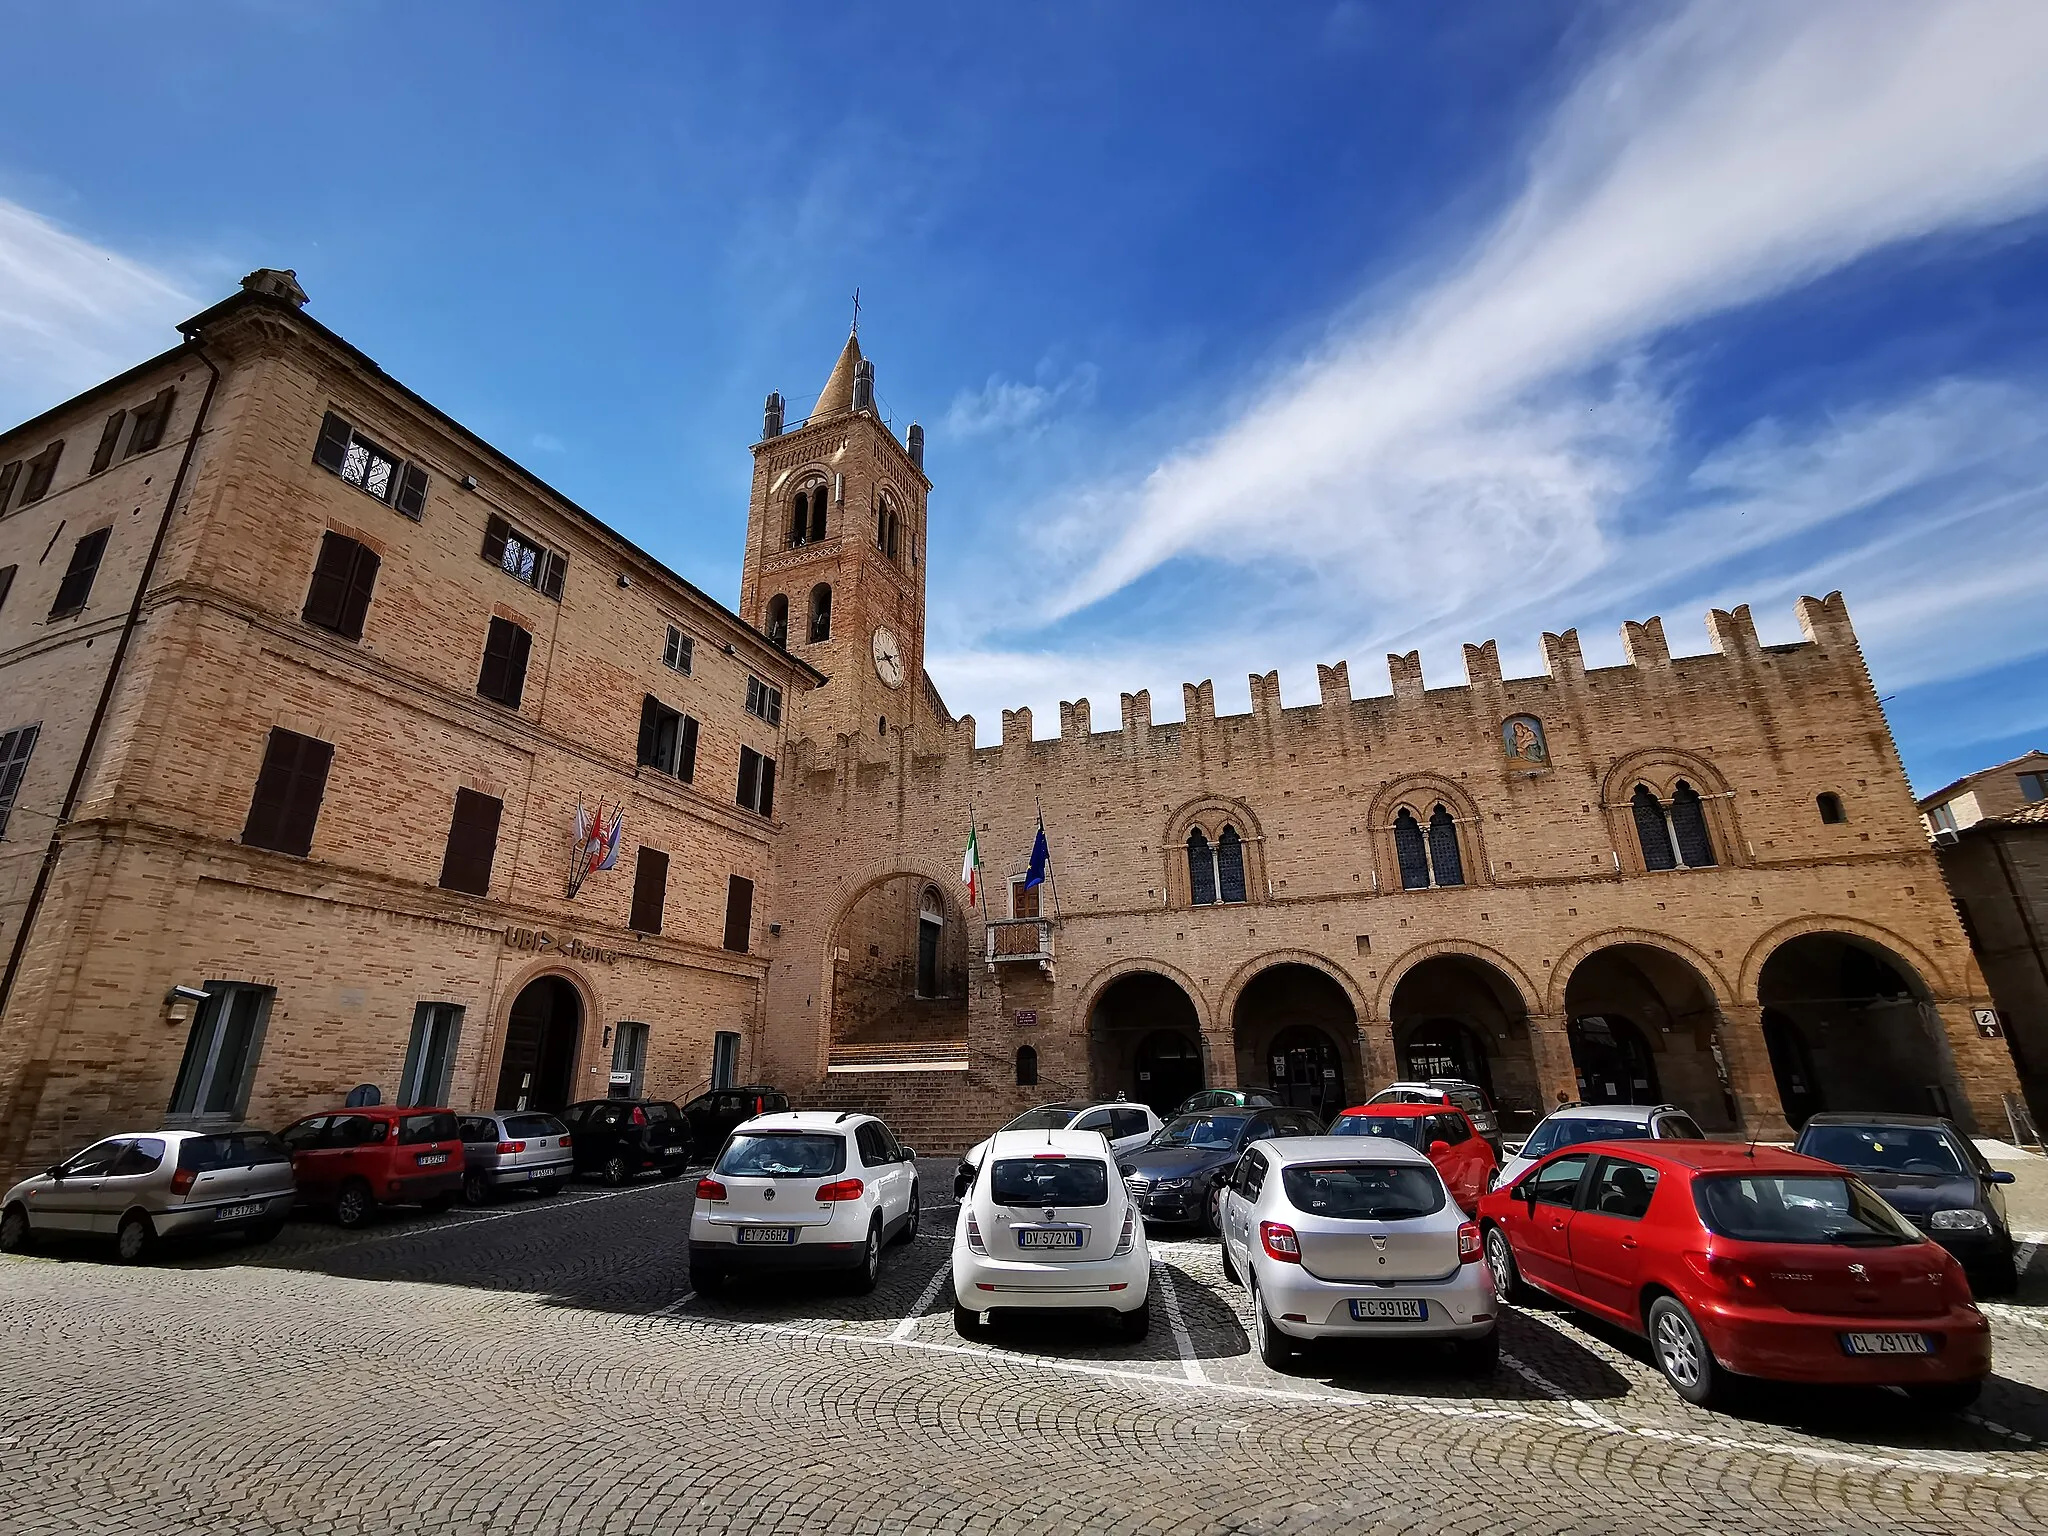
pixel 1041 856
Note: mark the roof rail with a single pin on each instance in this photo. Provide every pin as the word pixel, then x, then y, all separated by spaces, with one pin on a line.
pixel 845 1115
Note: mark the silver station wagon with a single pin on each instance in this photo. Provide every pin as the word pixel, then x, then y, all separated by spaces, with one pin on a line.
pixel 514 1150
pixel 141 1187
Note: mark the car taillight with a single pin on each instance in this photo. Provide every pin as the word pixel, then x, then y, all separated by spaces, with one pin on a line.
pixel 1729 1276
pixel 183 1180
pixel 511 1146
pixel 710 1189
pixel 841 1189
pixel 1279 1241
pixel 639 1115
pixel 1470 1249
pixel 974 1242
pixel 1129 1240
pixel 565 1141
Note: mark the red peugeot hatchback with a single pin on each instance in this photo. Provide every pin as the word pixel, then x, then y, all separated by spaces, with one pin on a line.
pixel 1741 1261
pixel 1443 1132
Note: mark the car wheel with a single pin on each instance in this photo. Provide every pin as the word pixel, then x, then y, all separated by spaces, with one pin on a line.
pixel 15 1236
pixel 707 1276
pixel 1500 1262
pixel 1132 1326
pixel 1681 1353
pixel 550 1186
pixel 870 1271
pixel 966 1322
pixel 1212 1211
pixel 1275 1347
pixel 915 1219
pixel 1479 1357
pixel 476 1189
pixel 1945 1397
pixel 354 1205
pixel 615 1170
pixel 434 1205
pixel 136 1237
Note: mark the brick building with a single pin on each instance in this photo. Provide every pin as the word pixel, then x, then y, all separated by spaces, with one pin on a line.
pixel 323 772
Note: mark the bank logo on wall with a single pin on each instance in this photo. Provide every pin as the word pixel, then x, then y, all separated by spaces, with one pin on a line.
pixel 597 843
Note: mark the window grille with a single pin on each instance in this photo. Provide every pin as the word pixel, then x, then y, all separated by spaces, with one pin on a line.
pixel 1410 851
pixel 1201 870
pixel 1689 828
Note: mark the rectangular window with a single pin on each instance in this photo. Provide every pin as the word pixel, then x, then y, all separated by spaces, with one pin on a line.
pixel 629 1059
pixel 725 1058
pixel 41 470
pixel 343 578
pixel 288 793
pixel 9 474
pixel 15 747
pixel 430 1057
pixel 472 843
pixel 676 655
pixel 367 467
pixel 650 891
pixel 668 740
pixel 110 439
pixel 6 584
pixel 764 701
pixel 503 678
pixel 1942 819
pixel 150 421
pixel 2034 786
pixel 1023 898
pixel 523 560
pixel 739 914
pixel 757 782
pixel 76 586
pixel 221 1052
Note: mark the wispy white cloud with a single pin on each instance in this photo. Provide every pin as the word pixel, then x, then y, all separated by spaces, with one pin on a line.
pixel 1012 407
pixel 547 442
pixel 72 312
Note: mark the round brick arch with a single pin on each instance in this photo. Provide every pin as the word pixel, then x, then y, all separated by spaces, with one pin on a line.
pixel 954 912
pixel 1709 974
pixel 587 998
pixel 1091 992
pixel 1383 999
pixel 1933 979
pixel 1226 1010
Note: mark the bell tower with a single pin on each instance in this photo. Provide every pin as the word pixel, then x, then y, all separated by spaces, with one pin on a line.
pixel 836 558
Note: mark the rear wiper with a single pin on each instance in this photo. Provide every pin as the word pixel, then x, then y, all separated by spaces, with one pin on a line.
pixel 1397 1213
pixel 1861 1238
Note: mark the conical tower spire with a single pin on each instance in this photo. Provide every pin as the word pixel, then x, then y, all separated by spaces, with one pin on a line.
pixel 837 398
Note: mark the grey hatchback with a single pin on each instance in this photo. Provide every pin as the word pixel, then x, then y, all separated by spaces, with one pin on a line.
pixel 508 1151
pixel 140 1187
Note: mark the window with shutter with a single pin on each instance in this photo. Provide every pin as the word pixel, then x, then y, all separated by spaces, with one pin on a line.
pixel 503 677
pixel 676 655
pixel 1446 864
pixel 650 890
pixel 6 583
pixel 41 470
pixel 1410 852
pixel 472 843
pixel 1652 831
pixel 412 492
pixel 668 739
pixel 150 421
pixel 523 560
pixel 9 474
pixel 15 747
pixel 1689 828
pixel 332 447
pixel 76 586
pixel 764 701
pixel 110 439
pixel 739 914
pixel 289 789
pixel 344 577
pixel 686 769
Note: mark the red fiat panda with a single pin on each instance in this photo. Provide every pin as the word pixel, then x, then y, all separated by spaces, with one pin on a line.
pixel 358 1159
pixel 1741 1261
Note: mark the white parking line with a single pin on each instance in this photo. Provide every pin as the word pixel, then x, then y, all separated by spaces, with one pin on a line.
pixel 675 1306
pixel 450 1223
pixel 908 1326
pixel 1190 1367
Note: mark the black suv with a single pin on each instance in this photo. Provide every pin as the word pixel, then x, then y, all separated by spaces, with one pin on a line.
pixel 713 1115
pixel 619 1139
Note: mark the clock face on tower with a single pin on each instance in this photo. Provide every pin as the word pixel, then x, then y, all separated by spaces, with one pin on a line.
pixel 888 659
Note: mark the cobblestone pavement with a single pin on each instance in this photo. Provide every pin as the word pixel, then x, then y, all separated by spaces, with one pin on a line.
pixel 541 1366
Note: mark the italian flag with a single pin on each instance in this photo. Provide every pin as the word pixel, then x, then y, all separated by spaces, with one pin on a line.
pixel 970 868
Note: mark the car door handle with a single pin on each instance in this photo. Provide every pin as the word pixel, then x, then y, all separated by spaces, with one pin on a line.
pixel 1557 1226
pixel 1628 1242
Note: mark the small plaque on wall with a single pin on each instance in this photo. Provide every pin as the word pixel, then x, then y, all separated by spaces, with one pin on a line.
pixel 1987 1023
pixel 1027 1018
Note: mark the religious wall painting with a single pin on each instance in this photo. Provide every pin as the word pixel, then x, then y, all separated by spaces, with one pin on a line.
pixel 1521 738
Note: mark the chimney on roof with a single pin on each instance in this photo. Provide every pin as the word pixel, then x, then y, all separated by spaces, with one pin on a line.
pixel 916 445
pixel 771 416
pixel 864 385
pixel 277 284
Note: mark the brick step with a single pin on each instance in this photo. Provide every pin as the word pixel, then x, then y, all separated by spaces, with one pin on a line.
pixel 891 1056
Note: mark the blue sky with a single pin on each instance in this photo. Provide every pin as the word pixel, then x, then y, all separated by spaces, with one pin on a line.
pixel 1246 337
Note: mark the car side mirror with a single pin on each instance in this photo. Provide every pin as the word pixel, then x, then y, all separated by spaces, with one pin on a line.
pixel 1124 1170
pixel 54 1171
pixel 909 1154
pixel 1526 1193
pixel 2001 1176
pixel 1436 1147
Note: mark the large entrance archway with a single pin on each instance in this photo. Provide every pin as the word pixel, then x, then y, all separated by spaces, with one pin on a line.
pixel 899 969
pixel 1642 1024
pixel 539 1064
pixel 1145 1041
pixel 1851 1026
pixel 1296 1033
pixel 1459 1016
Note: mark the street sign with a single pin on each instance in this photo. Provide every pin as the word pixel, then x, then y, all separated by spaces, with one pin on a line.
pixel 1987 1023
pixel 1027 1018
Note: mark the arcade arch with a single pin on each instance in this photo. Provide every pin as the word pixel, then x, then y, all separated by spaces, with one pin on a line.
pixel 1643 1025
pixel 1456 1015
pixel 1295 1030
pixel 903 978
pixel 1145 1041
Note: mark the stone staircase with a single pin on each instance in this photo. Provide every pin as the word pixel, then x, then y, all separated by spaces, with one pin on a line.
pixel 897 1056
pixel 921 1089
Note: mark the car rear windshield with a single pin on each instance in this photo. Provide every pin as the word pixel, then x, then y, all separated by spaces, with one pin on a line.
pixel 534 1125
pixel 1797 1208
pixel 1892 1148
pixel 1216 1133
pixel 782 1155
pixel 1363 1191
pixel 1569 1131
pixel 1471 1100
pixel 1406 1129
pixel 416 1130
pixel 231 1149
pixel 1047 1117
pixel 1049 1181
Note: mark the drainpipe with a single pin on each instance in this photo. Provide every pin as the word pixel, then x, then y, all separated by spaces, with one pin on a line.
pixel 99 715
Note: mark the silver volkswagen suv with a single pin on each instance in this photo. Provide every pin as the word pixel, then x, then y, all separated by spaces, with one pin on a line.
pixel 142 1186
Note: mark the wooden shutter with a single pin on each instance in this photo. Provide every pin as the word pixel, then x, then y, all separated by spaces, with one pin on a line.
pixel 650 891
pixel 549 576
pixel 650 727
pixel 9 473
pixel 7 581
pixel 289 789
pixel 76 586
pixel 110 439
pixel 766 804
pixel 343 580
pixel 503 677
pixel 472 843
pixel 496 532
pixel 686 770
pixel 150 422
pixel 333 445
pixel 739 914
pixel 750 775
pixel 42 469
pixel 412 491
pixel 362 581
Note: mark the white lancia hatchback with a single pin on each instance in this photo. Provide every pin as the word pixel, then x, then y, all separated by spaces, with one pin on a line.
pixel 1047 1225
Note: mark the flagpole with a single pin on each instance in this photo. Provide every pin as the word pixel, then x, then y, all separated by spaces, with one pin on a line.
pixel 1051 878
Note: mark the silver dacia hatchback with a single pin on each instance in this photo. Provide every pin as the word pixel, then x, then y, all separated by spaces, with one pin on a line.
pixel 514 1150
pixel 140 1187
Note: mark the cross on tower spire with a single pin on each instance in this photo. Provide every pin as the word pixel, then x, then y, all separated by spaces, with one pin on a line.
pixel 856 311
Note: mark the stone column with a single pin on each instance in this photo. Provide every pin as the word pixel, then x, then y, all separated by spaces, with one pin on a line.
pixel 1980 1070
pixel 1376 1055
pixel 1219 1058
pixel 1551 1048
pixel 1759 1112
